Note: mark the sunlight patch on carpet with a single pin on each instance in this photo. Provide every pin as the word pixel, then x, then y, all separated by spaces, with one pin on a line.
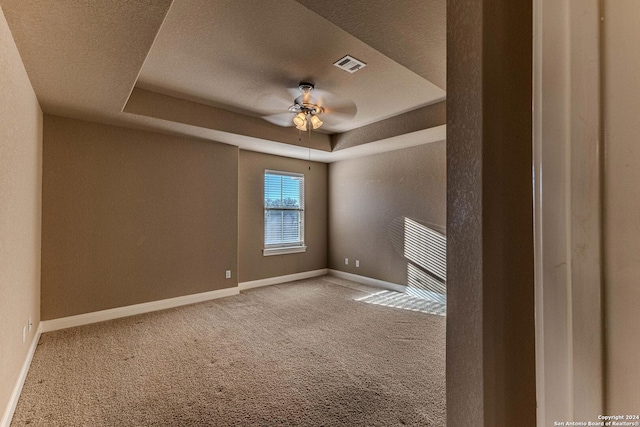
pixel 406 302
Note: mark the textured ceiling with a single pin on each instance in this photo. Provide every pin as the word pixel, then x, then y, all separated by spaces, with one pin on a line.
pixel 411 32
pixel 84 59
pixel 243 55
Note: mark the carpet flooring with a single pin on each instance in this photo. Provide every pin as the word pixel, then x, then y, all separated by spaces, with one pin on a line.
pixel 306 353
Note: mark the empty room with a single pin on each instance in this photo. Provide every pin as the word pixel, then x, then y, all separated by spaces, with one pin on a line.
pixel 296 212
pixel 223 213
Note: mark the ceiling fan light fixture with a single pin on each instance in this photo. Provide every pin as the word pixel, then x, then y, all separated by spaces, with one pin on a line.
pixel 316 122
pixel 300 121
pixel 306 109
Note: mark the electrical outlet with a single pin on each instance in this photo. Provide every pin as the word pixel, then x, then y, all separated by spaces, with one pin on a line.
pixel 24 333
pixel 357 263
pixel 227 274
pixel 346 261
pixel 30 324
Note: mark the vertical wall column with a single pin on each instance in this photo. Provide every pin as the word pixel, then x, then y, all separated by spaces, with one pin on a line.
pixel 621 109
pixel 20 221
pixel 567 150
pixel 587 342
pixel 552 206
pixel 490 317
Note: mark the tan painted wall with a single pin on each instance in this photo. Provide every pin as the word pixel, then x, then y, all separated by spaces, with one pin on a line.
pixel 20 211
pixel 252 264
pixel 368 201
pixel 132 216
pixel 621 62
pixel 490 271
pixel 413 121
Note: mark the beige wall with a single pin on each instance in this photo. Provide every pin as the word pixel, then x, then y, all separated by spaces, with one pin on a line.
pixel 413 121
pixel 490 271
pixel 20 212
pixel 622 204
pixel 368 201
pixel 132 216
pixel 252 264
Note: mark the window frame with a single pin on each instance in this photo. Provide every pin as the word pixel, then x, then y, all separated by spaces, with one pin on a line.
pixel 283 248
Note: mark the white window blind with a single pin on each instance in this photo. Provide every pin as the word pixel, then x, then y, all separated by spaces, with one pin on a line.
pixel 283 209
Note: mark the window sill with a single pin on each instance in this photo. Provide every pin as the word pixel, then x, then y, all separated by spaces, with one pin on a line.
pixel 283 250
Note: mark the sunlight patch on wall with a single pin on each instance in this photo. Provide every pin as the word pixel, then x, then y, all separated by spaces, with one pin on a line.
pixel 426 252
pixel 422 285
pixel 426 248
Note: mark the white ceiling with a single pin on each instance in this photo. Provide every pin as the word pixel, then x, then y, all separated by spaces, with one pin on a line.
pixel 85 58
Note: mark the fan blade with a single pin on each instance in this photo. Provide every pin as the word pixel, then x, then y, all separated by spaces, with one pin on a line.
pixel 293 92
pixel 274 103
pixel 337 110
pixel 336 105
pixel 345 111
pixel 331 121
pixel 281 119
pixel 332 103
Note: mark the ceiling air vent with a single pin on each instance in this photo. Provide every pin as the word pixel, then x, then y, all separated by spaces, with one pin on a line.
pixel 349 64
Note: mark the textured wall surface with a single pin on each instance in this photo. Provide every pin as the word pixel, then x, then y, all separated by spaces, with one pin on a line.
pixel 465 406
pixel 622 204
pixel 132 216
pixel 423 118
pixel 251 263
pixel 369 199
pixel 490 311
pixel 20 211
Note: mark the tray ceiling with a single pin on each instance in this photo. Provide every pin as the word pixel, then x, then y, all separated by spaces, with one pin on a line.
pixel 228 57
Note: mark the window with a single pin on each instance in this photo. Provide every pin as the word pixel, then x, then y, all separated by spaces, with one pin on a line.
pixel 283 213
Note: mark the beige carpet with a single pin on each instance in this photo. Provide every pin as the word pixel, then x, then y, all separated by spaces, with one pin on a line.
pixel 299 354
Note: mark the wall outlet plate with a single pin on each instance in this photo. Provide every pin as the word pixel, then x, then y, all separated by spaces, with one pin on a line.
pixel 227 274
pixel 357 263
pixel 346 261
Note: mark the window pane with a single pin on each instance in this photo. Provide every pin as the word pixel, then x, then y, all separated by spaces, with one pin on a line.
pixel 281 227
pixel 282 191
pixel 272 191
pixel 290 192
pixel 284 209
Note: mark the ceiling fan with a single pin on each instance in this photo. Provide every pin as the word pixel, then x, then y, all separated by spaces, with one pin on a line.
pixel 312 108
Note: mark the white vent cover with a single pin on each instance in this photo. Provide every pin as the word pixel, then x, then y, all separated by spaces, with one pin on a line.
pixel 350 64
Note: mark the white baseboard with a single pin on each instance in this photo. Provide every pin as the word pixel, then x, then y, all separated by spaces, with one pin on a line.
pixel 17 388
pixel 282 279
pixel 368 281
pixel 132 310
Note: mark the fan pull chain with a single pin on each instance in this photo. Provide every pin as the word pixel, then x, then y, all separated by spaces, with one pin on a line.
pixel 309 146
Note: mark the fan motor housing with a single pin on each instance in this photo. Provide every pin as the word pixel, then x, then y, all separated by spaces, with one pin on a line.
pixel 306 87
